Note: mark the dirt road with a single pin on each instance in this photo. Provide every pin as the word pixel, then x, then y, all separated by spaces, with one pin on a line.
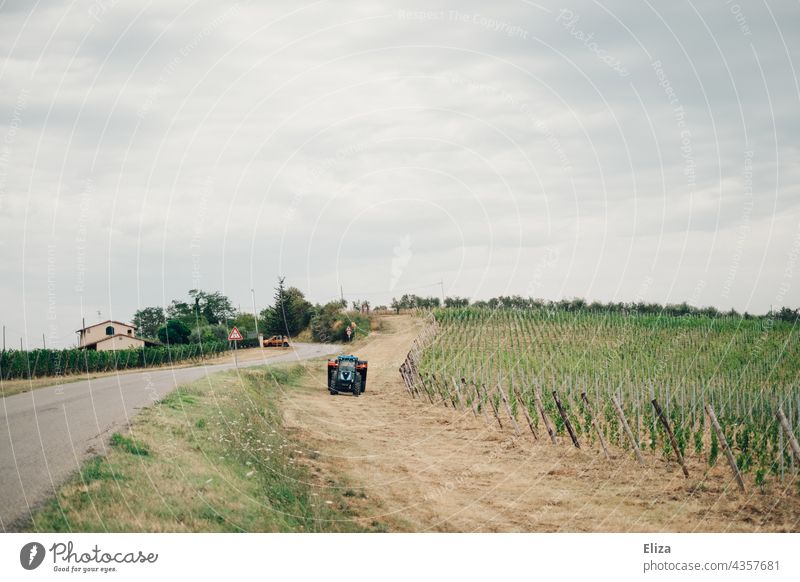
pixel 437 469
pixel 47 433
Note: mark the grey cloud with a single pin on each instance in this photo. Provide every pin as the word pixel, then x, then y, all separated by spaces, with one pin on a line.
pixel 210 133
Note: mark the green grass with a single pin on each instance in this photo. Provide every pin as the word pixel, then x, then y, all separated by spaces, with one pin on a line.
pixel 212 456
pixel 128 445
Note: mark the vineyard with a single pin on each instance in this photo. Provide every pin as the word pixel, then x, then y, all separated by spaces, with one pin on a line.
pixel 16 364
pixel 696 390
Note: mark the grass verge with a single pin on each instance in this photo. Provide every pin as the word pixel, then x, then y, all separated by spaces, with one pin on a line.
pixel 213 456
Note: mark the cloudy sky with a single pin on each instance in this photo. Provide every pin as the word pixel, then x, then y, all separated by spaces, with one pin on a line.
pixel 605 150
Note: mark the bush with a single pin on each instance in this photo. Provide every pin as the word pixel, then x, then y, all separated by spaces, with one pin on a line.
pixel 208 334
pixel 330 322
pixel 174 332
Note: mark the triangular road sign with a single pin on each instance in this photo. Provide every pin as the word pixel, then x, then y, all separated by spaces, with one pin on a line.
pixel 235 335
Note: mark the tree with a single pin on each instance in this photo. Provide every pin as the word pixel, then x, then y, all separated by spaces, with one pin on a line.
pixel 181 310
pixel 174 332
pixel 456 302
pixel 360 304
pixel 215 307
pixel 324 323
pixel 290 314
pixel 415 301
pixel 148 320
pixel 208 334
pixel 330 323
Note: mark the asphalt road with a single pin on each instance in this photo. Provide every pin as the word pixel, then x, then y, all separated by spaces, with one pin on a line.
pixel 46 434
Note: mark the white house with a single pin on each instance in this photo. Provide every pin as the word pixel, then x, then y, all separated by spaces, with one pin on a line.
pixel 110 335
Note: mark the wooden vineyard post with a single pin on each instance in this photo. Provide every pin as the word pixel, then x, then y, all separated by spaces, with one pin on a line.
pixel 626 427
pixel 415 373
pixel 595 425
pixel 725 448
pixel 672 440
pixel 438 389
pixel 413 376
pixel 481 404
pixel 459 397
pixel 443 390
pixel 787 429
pixel 508 409
pixel 467 398
pixel 565 418
pixel 407 380
pixel 546 420
pixel 418 387
pixel 525 412
pixel 455 398
pixel 434 388
pixel 491 402
pixel 427 386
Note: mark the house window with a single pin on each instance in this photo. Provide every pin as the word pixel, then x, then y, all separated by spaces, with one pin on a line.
pixel 130 332
pixel 110 330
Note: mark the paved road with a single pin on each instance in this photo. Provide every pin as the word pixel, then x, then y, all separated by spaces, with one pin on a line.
pixel 47 433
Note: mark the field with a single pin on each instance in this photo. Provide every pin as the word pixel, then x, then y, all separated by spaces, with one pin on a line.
pixel 206 459
pixel 503 363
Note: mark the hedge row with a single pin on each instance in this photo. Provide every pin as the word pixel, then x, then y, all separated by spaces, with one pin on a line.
pixel 37 363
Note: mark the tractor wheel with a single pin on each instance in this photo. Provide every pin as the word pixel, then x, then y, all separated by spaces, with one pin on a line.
pixel 286 344
pixel 332 392
pixel 357 385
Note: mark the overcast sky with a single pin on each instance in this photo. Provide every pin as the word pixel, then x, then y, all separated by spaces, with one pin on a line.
pixel 607 150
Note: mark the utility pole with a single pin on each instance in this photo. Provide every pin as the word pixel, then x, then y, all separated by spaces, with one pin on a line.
pixel 441 283
pixel 44 345
pixel 341 293
pixel 4 337
pixel 255 313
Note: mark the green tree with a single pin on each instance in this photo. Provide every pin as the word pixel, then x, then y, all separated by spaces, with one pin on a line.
pixel 183 311
pixel 148 320
pixel 208 333
pixel 174 332
pixel 214 307
pixel 290 313
pixel 456 302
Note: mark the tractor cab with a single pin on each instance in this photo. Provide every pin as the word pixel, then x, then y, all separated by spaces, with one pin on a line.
pixel 347 374
pixel 347 370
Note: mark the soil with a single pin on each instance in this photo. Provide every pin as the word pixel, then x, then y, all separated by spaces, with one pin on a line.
pixel 432 468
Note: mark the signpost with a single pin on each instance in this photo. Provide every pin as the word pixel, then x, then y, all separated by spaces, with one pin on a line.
pixel 235 336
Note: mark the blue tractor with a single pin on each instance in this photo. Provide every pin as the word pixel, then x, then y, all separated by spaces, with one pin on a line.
pixel 347 374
